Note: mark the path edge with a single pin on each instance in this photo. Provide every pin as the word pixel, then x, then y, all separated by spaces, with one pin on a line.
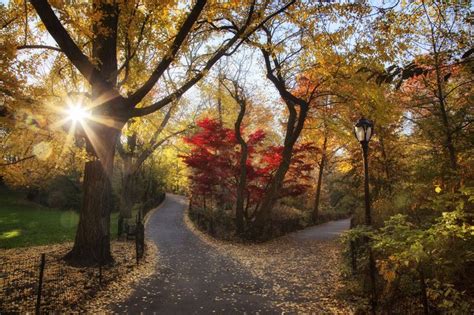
pixel 152 211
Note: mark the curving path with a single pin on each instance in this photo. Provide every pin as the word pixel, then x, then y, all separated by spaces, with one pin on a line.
pixel 193 278
pixel 323 232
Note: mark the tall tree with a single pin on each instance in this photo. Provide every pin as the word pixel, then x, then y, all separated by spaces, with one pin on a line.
pixel 112 109
pixel 237 93
pixel 135 147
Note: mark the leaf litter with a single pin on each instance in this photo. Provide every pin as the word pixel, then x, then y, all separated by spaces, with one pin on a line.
pixel 303 276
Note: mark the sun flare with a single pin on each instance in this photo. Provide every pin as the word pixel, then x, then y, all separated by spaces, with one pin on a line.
pixel 77 113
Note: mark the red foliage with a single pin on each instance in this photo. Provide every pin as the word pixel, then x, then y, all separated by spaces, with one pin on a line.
pixel 214 160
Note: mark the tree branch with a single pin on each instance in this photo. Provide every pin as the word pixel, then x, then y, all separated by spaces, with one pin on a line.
pixel 241 35
pixel 38 47
pixel 17 161
pixel 67 45
pixel 136 97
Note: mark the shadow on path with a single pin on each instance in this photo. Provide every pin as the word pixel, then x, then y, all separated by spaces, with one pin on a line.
pixel 191 277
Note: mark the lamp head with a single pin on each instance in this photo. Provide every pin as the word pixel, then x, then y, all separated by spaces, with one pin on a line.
pixel 363 130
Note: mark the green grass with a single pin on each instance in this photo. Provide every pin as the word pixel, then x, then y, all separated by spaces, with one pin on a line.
pixel 24 223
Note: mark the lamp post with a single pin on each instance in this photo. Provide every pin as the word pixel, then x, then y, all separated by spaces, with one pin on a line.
pixel 363 131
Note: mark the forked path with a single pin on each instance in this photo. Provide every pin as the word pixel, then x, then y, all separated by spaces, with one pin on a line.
pixel 193 277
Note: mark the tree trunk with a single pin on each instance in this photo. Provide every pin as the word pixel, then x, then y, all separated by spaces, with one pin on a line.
pixel 126 196
pixel 294 126
pixel 424 294
pixel 92 242
pixel 271 195
pixel 442 101
pixel 444 117
pixel 239 208
pixel 320 180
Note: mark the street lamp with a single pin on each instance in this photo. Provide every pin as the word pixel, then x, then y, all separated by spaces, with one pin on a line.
pixel 363 131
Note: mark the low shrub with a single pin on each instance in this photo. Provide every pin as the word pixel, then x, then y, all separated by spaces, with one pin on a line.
pixel 420 268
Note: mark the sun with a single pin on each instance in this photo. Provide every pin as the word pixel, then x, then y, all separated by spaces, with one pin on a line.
pixel 77 113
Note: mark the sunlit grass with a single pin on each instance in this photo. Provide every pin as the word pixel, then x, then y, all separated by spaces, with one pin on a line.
pixel 24 223
pixel 10 234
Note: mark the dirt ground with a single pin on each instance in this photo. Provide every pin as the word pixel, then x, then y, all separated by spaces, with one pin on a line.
pixel 65 288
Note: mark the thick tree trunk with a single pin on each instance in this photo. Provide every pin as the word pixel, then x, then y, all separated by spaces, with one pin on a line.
pixel 293 129
pixel 92 242
pixel 271 195
pixel 317 197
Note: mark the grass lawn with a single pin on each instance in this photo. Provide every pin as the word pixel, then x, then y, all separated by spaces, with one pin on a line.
pixel 24 223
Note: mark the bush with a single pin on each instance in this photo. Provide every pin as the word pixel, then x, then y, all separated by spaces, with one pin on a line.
pixel 219 224
pixel 421 268
pixel 57 199
pixel 62 192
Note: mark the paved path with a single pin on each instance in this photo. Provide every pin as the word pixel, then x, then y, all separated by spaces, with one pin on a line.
pixel 323 232
pixel 193 278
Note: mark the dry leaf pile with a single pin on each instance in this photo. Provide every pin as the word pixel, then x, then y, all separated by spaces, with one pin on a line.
pixel 66 288
pixel 305 275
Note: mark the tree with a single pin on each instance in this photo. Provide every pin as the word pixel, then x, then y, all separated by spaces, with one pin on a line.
pixel 112 109
pixel 135 147
pixel 238 95
pixel 216 177
pixel 297 108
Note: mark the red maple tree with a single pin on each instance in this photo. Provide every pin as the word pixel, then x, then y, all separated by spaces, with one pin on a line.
pixel 214 160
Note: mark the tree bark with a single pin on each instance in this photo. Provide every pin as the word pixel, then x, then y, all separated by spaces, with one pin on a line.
pixel 294 125
pixel 386 162
pixel 320 180
pixel 238 95
pixel 271 195
pixel 444 116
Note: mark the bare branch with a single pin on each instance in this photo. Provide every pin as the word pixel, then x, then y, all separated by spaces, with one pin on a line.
pixel 38 47
pixel 67 45
pixel 17 161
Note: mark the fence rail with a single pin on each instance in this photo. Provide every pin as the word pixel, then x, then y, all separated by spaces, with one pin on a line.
pixel 46 284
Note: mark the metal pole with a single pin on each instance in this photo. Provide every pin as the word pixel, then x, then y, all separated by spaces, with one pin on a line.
pixel 368 222
pixel 40 284
pixel 365 150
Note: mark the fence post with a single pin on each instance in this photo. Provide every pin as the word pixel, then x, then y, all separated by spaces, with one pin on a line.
pixel 353 257
pixel 120 227
pixel 40 284
pixel 100 275
pixel 139 239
